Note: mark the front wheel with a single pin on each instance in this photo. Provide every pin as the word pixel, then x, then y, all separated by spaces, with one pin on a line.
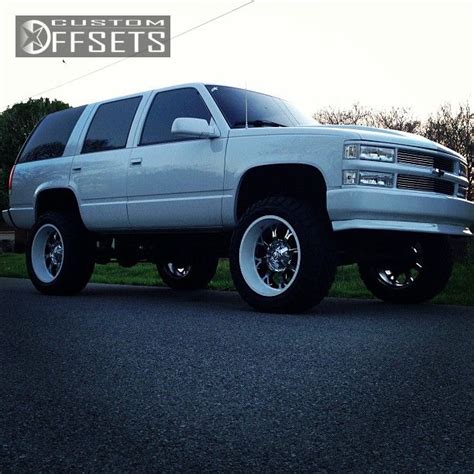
pixel 420 276
pixel 189 276
pixel 281 257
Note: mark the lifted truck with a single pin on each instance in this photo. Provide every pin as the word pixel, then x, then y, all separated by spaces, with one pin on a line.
pixel 185 175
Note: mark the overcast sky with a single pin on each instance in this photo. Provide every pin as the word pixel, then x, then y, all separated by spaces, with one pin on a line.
pixel 315 53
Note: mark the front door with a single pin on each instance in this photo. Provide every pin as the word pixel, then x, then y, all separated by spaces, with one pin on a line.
pixel 175 182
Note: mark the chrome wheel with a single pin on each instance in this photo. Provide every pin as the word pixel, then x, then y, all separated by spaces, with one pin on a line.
pixel 419 270
pixel 47 253
pixel 269 255
pixel 192 274
pixel 403 276
pixel 178 271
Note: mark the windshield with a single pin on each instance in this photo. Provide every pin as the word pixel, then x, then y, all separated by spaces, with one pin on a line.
pixel 262 110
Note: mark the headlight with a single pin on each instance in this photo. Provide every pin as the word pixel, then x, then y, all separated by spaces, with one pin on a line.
pixel 367 178
pixel 462 192
pixel 372 178
pixel 368 152
pixel 462 170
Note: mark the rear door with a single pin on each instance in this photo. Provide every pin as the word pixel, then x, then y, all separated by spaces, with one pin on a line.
pixel 44 162
pixel 99 170
pixel 175 182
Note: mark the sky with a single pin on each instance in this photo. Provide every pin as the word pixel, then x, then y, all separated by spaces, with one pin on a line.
pixel 416 54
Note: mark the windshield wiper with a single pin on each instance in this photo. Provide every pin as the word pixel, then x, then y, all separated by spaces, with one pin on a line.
pixel 259 123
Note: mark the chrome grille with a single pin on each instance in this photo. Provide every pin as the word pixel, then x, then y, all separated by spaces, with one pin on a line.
pixel 430 160
pixel 421 183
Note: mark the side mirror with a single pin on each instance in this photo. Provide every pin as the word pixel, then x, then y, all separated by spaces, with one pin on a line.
pixel 193 127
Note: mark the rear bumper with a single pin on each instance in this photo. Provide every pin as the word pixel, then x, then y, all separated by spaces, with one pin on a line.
pixel 8 219
pixel 365 208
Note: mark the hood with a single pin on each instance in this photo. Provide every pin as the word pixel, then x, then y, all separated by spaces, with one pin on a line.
pixel 395 137
pixel 352 132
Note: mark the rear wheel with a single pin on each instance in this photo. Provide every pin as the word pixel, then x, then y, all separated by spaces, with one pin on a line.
pixel 281 257
pixel 420 276
pixel 189 276
pixel 59 254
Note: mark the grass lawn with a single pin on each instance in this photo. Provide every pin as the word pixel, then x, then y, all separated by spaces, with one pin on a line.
pixel 460 289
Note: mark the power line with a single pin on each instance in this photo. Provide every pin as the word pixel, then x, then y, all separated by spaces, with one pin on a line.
pixel 95 71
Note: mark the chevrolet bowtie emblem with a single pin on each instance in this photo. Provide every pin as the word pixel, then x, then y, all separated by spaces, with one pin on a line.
pixel 437 172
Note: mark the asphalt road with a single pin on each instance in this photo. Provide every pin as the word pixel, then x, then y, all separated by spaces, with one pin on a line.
pixel 143 379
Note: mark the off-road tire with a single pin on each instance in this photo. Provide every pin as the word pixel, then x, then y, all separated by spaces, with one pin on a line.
pixel 317 267
pixel 78 259
pixel 437 268
pixel 201 272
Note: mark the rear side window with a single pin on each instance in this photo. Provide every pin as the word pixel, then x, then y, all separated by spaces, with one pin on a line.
pixel 50 137
pixel 110 126
pixel 168 106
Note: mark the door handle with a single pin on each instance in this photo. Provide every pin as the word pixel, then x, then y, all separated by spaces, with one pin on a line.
pixel 135 162
pixel 77 169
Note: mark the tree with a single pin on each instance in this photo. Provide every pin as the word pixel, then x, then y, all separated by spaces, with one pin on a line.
pixel 16 123
pixel 396 118
pixel 357 115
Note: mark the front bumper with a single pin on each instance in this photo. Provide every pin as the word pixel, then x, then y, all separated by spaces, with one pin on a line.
pixel 392 209
pixel 7 218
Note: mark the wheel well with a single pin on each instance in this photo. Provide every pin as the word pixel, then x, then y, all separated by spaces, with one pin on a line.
pixel 302 181
pixel 56 200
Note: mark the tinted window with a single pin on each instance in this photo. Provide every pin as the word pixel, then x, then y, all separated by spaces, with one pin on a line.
pixel 110 126
pixel 262 110
pixel 49 138
pixel 168 106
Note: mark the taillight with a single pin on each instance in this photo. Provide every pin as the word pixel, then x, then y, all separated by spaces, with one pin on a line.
pixel 10 179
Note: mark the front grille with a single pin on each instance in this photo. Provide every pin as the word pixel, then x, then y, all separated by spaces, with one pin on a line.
pixel 420 183
pixel 418 158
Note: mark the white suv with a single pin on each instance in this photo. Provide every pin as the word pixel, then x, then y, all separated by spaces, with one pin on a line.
pixel 185 175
